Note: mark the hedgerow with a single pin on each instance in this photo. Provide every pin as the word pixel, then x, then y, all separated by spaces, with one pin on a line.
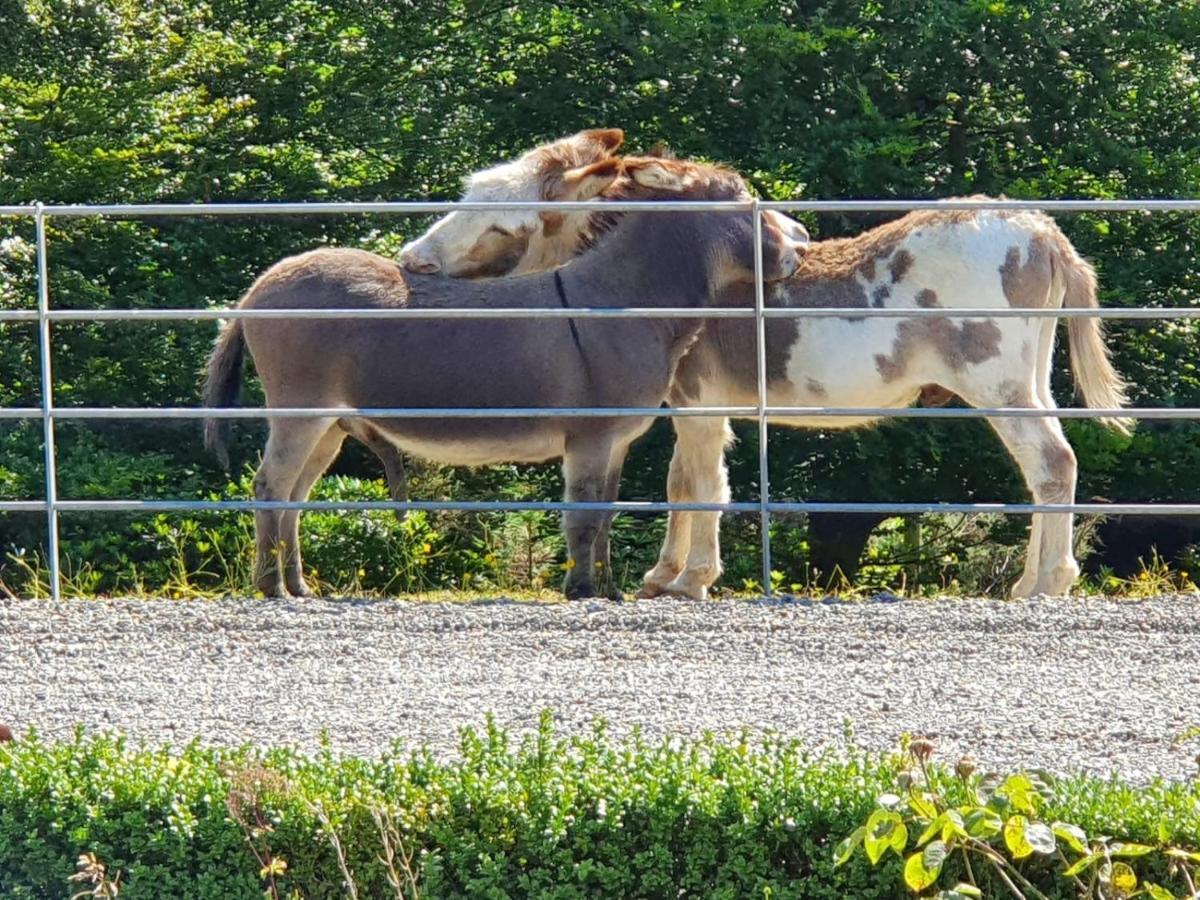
pixel 548 816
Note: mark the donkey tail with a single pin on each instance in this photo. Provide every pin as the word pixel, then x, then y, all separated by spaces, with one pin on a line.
pixel 1091 361
pixel 223 385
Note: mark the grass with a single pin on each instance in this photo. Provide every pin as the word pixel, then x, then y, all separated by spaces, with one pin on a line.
pixel 518 556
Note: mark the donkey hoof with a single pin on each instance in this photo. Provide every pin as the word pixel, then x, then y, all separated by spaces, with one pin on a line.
pixel 580 591
pixel 649 591
pixel 687 591
pixel 301 590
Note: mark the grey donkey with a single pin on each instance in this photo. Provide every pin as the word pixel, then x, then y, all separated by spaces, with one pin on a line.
pixel 651 259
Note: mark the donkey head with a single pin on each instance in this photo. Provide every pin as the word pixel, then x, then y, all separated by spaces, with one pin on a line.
pixel 730 235
pixel 509 242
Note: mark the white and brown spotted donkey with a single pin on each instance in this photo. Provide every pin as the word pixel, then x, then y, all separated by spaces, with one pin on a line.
pixel 929 259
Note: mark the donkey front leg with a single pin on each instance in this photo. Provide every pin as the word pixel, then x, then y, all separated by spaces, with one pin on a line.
pixel 673 555
pixel 1048 465
pixel 291 443
pixel 590 466
pixel 697 474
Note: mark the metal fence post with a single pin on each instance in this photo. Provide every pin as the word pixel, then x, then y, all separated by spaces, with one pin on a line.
pixel 43 277
pixel 760 349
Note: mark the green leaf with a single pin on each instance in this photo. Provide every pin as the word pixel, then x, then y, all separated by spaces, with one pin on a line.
pixel 846 848
pixel 1179 853
pixel 1071 835
pixel 1156 892
pixel 983 823
pixel 961 891
pixel 888 801
pixel 1020 793
pixel 1014 837
pixel 1164 832
pixel 1040 838
pixel 932 829
pixel 1119 850
pixel 922 805
pixel 923 867
pixel 954 825
pixel 1123 878
pixel 935 855
pixel 885 830
pixel 1084 864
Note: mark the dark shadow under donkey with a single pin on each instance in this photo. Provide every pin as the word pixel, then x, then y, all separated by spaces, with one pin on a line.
pixel 644 259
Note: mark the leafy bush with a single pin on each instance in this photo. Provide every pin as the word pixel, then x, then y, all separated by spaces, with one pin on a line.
pixel 550 817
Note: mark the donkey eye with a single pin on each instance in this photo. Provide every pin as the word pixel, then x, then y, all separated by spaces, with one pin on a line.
pixel 503 232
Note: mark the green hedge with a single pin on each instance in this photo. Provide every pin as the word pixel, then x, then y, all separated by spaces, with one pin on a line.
pixel 552 817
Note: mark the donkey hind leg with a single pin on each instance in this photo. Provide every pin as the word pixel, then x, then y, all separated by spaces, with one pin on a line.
pixel 288 448
pixel 1048 465
pixel 319 460
pixel 602 548
pixel 700 446
pixel 1043 361
pixel 588 470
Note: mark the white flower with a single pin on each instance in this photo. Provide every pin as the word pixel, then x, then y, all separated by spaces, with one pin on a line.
pixel 16 247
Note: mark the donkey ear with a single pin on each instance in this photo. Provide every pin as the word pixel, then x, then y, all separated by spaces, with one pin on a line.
pixel 651 173
pixel 609 138
pixel 584 182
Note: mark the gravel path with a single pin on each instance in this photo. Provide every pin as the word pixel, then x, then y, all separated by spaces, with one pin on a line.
pixel 1068 685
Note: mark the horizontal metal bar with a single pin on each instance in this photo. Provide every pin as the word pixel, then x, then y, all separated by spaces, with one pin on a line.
pixel 978 412
pixel 149 210
pixel 627 506
pixel 437 314
pixel 631 312
pixel 1174 205
pixel 544 412
pixel 525 412
pixel 900 509
pixel 267 208
pixel 23 506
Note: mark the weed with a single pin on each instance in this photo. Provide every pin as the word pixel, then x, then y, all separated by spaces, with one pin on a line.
pixel 993 825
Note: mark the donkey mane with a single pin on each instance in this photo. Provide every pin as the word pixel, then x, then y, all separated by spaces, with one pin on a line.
pixel 705 181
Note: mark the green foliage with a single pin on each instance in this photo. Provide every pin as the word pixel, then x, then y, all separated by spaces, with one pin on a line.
pixel 1008 826
pixel 546 816
pixel 116 100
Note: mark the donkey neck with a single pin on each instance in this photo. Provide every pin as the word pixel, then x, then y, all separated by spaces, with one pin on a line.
pixel 647 259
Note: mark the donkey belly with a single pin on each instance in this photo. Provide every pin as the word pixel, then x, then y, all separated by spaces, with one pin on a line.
pixel 844 363
pixel 476 442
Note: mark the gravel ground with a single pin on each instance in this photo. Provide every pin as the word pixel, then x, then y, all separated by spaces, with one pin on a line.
pixel 1068 685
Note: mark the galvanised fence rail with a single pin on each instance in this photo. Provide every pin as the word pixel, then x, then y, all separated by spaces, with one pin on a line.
pixel 48 413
